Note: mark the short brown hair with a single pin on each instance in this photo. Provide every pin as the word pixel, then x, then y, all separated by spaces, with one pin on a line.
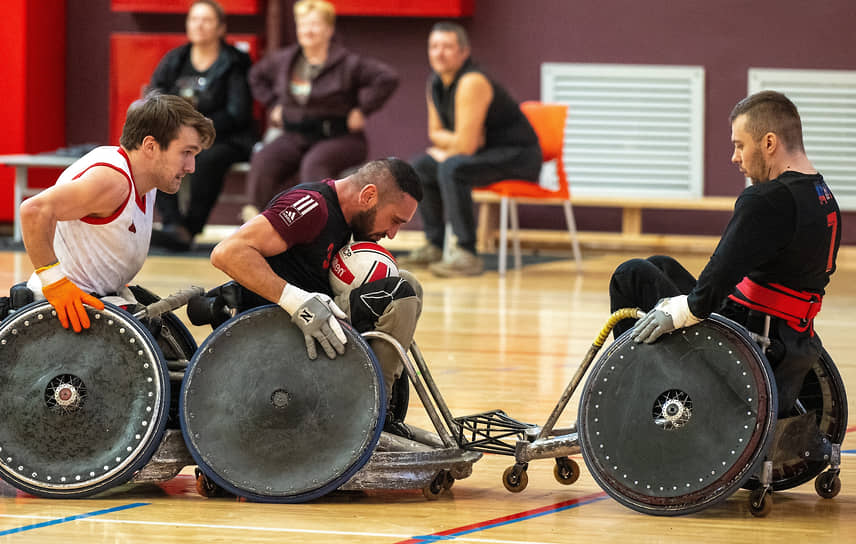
pixel 162 116
pixel 219 12
pixel 326 9
pixel 771 111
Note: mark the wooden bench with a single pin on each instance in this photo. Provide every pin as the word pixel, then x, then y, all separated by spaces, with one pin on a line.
pixel 630 235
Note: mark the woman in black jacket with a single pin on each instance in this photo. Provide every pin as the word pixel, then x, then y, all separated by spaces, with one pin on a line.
pixel 213 75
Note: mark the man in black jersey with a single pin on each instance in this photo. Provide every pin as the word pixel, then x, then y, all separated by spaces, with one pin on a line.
pixel 283 256
pixel 774 259
pixel 478 136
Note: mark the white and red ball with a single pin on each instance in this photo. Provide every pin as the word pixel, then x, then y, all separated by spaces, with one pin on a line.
pixel 359 263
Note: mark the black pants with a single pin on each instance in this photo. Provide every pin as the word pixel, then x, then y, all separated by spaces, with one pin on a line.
pixel 206 184
pixel 640 283
pixel 447 187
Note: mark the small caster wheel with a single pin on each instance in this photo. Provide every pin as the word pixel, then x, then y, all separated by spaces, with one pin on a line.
pixel 448 480
pixel 206 487
pixel 760 502
pixel 566 471
pixel 515 479
pixel 432 490
pixel 827 485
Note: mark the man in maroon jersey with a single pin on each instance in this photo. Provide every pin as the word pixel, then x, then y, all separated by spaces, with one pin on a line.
pixel 283 255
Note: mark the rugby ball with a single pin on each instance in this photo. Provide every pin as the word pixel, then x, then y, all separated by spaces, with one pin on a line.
pixel 359 263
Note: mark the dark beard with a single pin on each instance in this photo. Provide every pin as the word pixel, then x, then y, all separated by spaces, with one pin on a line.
pixel 763 169
pixel 362 224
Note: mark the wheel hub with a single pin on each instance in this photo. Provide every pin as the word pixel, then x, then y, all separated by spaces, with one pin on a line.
pixel 672 409
pixel 65 393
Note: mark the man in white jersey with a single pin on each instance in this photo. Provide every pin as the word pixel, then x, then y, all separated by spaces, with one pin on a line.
pixel 89 234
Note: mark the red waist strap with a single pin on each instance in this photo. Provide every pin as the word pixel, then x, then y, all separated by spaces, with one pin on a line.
pixel 797 308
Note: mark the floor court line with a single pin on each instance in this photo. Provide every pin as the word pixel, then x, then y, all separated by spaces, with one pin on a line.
pixel 258 528
pixel 72 518
pixel 452 534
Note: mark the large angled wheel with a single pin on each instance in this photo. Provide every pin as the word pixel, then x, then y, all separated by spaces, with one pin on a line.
pixel 81 411
pixel 820 417
pixel 673 427
pixel 265 422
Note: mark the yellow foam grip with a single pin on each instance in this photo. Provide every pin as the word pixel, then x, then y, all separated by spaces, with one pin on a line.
pixel 618 315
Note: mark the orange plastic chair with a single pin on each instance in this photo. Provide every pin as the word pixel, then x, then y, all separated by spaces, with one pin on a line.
pixel 548 120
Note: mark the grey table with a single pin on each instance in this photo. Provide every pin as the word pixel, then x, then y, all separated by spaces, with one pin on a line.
pixel 22 164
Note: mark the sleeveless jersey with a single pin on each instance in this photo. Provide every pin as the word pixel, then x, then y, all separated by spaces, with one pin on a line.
pixel 504 124
pixel 102 254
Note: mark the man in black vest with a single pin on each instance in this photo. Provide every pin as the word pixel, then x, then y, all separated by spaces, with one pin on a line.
pixel 283 256
pixel 774 259
pixel 478 136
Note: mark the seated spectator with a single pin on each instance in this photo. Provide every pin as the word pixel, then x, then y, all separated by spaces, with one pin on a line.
pixel 213 76
pixel 478 136
pixel 319 94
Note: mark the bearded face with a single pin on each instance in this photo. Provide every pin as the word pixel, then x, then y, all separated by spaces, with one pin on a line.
pixel 363 224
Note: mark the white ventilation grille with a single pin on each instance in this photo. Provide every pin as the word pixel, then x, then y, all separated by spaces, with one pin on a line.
pixel 826 100
pixel 632 130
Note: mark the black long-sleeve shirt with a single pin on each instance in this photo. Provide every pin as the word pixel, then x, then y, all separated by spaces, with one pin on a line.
pixel 784 231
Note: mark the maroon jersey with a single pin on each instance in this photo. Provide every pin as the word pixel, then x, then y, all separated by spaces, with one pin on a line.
pixel 310 220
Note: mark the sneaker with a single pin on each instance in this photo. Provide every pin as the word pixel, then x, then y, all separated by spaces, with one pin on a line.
pixel 462 263
pixel 423 256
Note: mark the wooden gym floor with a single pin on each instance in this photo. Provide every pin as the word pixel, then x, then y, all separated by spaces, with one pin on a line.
pixel 491 343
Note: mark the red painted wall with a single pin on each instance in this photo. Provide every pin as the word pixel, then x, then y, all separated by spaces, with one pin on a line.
pixel 407 8
pixel 32 86
pixel 181 6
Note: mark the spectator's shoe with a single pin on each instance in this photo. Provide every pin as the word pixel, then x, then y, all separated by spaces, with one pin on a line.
pixel 173 238
pixel 461 263
pixel 423 256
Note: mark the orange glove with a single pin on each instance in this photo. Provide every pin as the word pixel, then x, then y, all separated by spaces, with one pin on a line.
pixel 68 300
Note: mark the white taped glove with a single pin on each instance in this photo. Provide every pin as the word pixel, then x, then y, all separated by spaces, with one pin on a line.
pixel 668 315
pixel 315 314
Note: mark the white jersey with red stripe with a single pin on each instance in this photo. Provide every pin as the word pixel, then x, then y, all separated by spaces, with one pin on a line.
pixel 103 254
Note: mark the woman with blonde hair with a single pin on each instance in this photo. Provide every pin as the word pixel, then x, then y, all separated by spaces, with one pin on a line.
pixel 319 94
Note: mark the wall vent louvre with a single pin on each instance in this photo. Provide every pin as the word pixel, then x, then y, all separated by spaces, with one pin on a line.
pixel 632 130
pixel 826 100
